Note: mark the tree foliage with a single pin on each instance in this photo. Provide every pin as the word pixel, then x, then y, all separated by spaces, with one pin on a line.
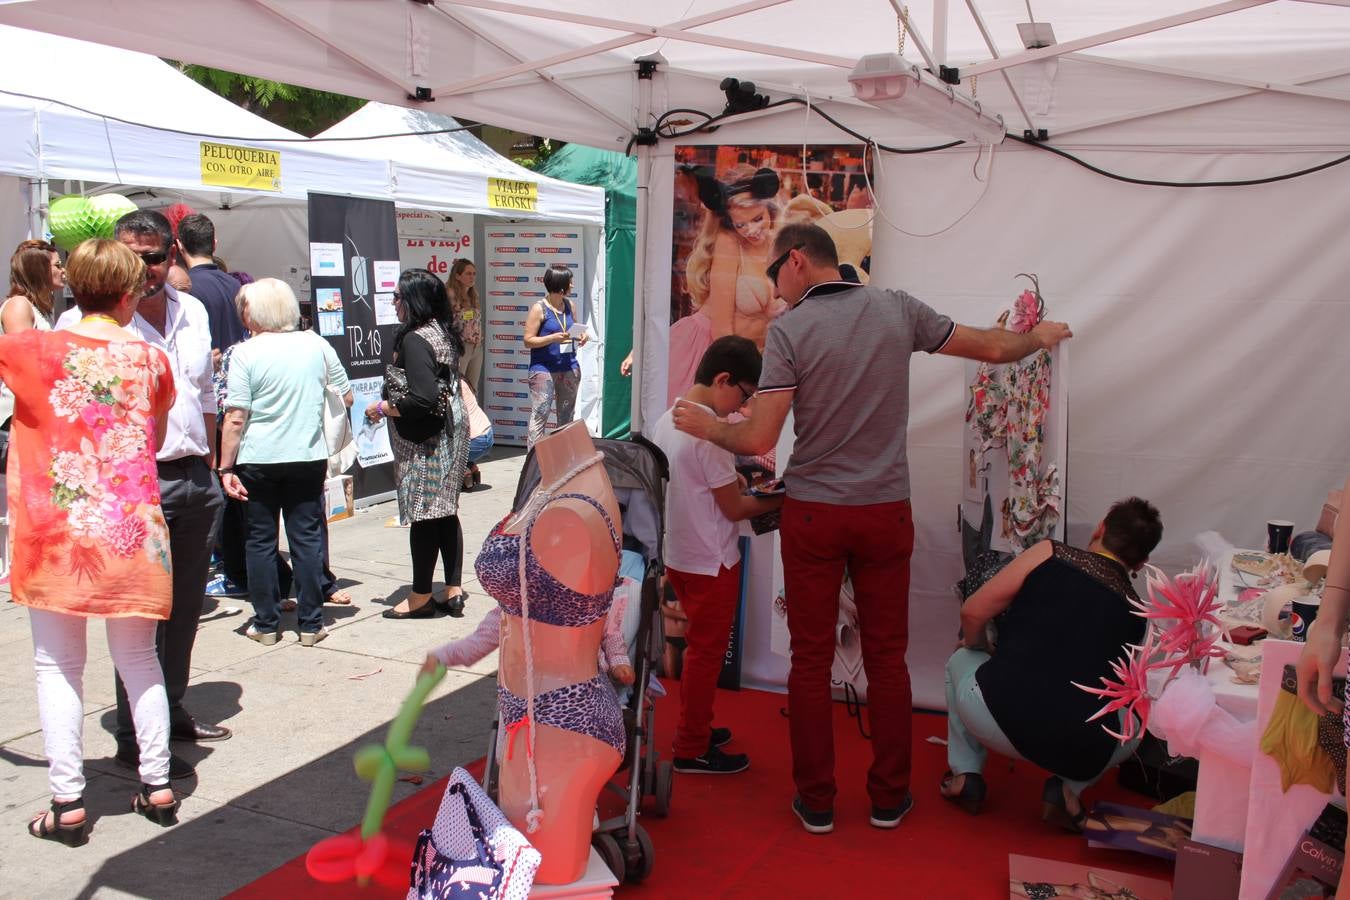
pixel 543 149
pixel 299 109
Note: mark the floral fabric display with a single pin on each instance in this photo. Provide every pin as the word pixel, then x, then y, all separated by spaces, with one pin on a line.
pixel 89 537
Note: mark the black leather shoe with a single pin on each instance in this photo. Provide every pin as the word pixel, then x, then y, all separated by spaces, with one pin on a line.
pixel 199 732
pixel 179 768
pixel 425 611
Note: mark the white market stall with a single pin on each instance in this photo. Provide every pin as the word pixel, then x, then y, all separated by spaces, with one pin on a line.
pixel 146 132
pixel 1208 366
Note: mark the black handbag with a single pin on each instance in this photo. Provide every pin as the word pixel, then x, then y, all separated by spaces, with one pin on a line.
pixel 396 388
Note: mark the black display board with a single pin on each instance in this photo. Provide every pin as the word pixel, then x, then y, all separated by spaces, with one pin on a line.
pixel 353 259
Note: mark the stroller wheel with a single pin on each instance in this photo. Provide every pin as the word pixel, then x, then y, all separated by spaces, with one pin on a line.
pixel 610 853
pixel 640 860
pixel 665 782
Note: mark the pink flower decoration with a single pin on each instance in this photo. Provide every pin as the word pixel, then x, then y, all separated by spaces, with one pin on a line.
pixel 1129 690
pixel 1025 313
pixel 1183 610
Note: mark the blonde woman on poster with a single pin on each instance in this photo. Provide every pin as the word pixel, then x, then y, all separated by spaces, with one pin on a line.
pixel 725 274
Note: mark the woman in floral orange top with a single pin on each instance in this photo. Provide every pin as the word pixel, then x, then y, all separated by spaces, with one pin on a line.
pixel 89 537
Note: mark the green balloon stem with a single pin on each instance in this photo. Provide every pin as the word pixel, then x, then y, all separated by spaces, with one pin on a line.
pixel 380 764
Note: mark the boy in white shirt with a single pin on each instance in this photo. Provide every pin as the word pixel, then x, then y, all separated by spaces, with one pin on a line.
pixel 704 501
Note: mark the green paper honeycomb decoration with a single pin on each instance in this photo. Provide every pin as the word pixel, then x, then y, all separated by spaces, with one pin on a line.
pixel 73 218
pixel 70 222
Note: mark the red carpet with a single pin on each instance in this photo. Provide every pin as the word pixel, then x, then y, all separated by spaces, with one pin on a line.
pixel 735 837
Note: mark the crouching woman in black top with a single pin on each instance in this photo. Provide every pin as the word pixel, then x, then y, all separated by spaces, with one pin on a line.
pixel 1062 615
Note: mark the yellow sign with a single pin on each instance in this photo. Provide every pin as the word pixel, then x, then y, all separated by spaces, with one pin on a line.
pixel 227 165
pixel 504 193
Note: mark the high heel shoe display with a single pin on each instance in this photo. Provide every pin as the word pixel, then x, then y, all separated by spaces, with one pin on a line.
pixel 163 814
pixel 70 835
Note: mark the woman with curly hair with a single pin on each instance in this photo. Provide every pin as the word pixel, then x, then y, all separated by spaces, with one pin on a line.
pixel 725 274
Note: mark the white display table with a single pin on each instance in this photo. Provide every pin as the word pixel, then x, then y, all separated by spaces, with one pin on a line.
pixel 1222 788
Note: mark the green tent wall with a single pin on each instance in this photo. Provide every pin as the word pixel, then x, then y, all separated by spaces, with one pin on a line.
pixel 617 174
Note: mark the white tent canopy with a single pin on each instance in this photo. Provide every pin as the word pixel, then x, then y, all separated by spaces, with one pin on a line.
pixel 143 124
pixel 563 68
pixel 444 169
pixel 1208 368
pixel 75 110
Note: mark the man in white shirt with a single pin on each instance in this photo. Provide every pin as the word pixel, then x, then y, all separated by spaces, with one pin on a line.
pixel 176 323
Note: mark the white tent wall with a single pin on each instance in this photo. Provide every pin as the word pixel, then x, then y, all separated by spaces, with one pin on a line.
pixel 1207 367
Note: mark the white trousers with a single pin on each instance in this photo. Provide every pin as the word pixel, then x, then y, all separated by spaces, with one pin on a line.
pixel 58 658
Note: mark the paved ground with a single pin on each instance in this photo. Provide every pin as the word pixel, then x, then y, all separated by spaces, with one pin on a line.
pixel 285 780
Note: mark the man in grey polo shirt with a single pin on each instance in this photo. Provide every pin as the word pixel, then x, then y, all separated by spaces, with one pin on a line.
pixel 839 359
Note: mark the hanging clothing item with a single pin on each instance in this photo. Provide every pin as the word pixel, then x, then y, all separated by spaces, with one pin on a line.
pixel 1008 407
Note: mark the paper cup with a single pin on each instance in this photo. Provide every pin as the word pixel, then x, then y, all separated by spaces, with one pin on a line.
pixel 1303 612
pixel 1278 534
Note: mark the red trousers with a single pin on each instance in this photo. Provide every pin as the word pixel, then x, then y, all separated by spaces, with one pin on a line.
pixel 874 542
pixel 710 603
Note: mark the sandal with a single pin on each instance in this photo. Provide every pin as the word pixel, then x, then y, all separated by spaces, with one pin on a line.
pixel 972 793
pixel 339 598
pixel 164 814
pixel 72 835
pixel 1055 809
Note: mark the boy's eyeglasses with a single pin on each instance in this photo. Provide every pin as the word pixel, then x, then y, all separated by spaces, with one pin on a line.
pixel 746 396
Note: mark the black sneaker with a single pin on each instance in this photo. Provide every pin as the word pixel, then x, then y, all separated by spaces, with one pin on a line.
pixel 714 762
pixel 890 816
pixel 719 736
pixel 814 822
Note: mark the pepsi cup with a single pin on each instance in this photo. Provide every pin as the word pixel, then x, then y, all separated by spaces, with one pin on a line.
pixel 1302 614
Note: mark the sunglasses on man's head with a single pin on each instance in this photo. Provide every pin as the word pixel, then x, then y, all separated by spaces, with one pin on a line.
pixel 772 270
pixel 153 257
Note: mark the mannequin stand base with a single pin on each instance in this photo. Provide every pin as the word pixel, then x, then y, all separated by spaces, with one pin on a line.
pixel 597 881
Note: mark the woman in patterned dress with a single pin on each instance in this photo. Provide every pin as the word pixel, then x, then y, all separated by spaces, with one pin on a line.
pixel 430 450
pixel 89 536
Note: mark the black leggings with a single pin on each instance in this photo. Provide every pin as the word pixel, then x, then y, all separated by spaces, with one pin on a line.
pixel 428 538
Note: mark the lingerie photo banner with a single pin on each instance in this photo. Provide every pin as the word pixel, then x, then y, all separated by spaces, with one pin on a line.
pixel 354 268
pixel 515 258
pixel 730 202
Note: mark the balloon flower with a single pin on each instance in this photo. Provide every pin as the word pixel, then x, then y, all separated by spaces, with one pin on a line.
pixel 372 855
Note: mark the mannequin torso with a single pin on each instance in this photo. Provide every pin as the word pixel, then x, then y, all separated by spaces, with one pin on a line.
pixel 572 542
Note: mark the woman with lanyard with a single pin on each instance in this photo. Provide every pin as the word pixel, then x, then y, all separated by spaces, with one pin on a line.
pixel 554 372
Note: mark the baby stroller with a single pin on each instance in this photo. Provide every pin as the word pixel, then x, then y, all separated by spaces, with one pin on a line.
pixel 638 472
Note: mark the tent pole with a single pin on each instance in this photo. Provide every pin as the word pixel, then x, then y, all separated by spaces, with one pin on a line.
pixel 645 74
pixel 38 198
